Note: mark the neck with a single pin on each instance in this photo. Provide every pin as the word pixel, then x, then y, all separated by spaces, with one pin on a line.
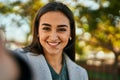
pixel 55 61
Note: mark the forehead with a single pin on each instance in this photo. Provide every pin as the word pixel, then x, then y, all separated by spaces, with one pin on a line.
pixel 54 16
pixel 54 12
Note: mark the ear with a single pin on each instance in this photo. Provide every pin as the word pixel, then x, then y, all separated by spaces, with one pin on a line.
pixel 70 38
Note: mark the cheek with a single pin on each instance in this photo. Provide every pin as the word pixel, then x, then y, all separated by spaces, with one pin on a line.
pixel 65 37
pixel 42 36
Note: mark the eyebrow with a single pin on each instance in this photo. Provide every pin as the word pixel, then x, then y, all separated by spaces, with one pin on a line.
pixel 46 24
pixel 62 25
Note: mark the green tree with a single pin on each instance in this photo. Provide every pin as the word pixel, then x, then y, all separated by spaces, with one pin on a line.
pixel 103 25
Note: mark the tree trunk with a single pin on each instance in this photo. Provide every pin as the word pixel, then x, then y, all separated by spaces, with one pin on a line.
pixel 115 66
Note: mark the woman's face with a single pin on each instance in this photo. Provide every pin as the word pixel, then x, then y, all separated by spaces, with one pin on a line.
pixel 54 32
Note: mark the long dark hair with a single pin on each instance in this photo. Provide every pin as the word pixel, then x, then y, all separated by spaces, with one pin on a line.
pixel 35 46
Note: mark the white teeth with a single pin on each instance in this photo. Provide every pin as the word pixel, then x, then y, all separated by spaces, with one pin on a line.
pixel 53 44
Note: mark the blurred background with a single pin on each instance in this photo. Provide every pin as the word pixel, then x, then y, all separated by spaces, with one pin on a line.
pixel 97 32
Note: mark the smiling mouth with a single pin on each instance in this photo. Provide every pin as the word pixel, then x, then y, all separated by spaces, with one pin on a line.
pixel 53 44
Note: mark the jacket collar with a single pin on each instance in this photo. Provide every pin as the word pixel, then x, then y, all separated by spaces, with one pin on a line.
pixel 41 68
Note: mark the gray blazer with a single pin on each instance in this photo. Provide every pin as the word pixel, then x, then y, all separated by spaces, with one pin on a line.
pixel 41 70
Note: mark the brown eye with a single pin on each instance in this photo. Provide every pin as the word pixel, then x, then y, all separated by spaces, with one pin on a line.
pixel 46 28
pixel 62 29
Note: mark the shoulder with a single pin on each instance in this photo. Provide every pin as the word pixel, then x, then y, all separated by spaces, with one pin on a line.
pixel 21 52
pixel 76 69
pixel 29 56
pixel 82 71
pixel 75 65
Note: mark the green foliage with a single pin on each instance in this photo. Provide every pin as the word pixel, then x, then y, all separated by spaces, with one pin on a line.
pixel 103 24
pixel 79 49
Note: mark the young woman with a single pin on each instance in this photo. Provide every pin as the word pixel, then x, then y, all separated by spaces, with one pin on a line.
pixel 52 51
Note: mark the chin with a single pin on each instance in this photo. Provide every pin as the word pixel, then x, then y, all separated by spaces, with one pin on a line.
pixel 53 52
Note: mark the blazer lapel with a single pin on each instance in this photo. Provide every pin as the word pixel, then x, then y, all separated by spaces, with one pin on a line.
pixel 72 69
pixel 40 68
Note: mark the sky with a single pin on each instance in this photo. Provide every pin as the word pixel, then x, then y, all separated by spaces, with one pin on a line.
pixel 9 1
pixel 12 30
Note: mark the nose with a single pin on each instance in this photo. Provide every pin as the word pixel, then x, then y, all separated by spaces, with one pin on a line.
pixel 53 35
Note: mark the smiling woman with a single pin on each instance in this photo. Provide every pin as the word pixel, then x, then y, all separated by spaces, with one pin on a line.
pixel 54 32
pixel 52 51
